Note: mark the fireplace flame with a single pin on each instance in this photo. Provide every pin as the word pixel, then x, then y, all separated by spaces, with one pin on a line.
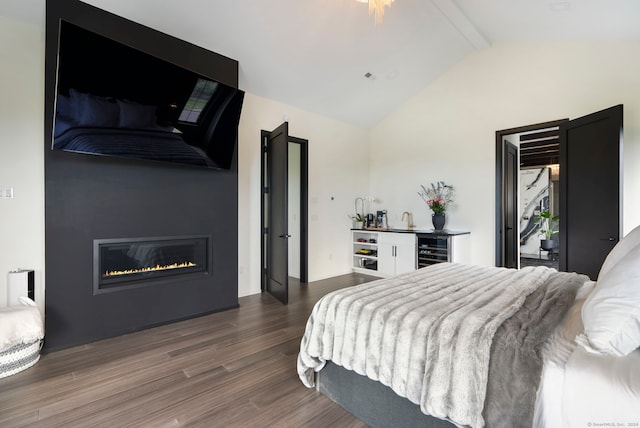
pixel 149 269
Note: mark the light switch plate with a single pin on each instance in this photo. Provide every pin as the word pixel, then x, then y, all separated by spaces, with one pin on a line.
pixel 6 192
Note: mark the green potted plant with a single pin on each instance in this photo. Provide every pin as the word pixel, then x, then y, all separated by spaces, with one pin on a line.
pixel 358 221
pixel 548 228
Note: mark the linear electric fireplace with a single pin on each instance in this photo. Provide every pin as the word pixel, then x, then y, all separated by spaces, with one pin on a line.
pixel 134 262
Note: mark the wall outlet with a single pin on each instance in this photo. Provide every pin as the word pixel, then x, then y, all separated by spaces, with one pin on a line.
pixel 6 192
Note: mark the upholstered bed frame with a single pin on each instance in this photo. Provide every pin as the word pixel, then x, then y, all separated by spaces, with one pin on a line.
pixel 372 402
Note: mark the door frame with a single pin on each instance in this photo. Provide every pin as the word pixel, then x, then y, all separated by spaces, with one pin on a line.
pixel 511 205
pixel 304 208
pixel 501 194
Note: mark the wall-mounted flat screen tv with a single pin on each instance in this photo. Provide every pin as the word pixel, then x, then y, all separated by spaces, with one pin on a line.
pixel 114 100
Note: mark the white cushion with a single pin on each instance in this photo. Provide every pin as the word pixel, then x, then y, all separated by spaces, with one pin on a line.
pixel 611 313
pixel 20 324
pixel 628 243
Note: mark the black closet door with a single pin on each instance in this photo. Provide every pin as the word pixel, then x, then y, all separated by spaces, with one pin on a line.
pixel 590 194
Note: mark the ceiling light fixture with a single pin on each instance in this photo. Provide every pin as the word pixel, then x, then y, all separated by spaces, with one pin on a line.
pixel 377 7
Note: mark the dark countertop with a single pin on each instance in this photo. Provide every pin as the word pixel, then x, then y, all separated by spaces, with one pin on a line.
pixel 444 232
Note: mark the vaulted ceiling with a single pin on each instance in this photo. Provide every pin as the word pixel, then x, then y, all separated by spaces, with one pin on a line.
pixel 315 54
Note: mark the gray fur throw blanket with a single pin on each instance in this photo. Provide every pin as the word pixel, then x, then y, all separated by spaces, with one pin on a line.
pixel 427 334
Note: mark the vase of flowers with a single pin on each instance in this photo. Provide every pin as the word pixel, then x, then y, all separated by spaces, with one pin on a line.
pixel 438 197
pixel 438 220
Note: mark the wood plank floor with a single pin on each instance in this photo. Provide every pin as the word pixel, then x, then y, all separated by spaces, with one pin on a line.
pixel 231 369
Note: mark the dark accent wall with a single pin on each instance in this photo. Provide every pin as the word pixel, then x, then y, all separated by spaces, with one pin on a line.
pixel 91 197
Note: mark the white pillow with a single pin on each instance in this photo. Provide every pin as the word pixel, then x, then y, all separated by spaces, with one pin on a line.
pixel 626 244
pixel 611 313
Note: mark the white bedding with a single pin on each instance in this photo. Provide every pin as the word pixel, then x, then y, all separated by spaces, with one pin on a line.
pixel 436 313
pixel 581 389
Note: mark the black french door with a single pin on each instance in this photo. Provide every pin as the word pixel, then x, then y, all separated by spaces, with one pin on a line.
pixel 277 221
pixel 590 211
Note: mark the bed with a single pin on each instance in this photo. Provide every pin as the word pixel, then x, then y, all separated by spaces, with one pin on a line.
pixel 462 345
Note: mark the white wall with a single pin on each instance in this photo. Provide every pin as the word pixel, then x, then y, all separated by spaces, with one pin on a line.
pixel 338 169
pixel 447 131
pixel 21 152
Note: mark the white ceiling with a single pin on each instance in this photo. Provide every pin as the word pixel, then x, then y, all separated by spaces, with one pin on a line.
pixel 313 54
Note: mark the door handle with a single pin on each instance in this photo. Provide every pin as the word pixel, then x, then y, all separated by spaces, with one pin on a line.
pixel 610 239
pixel 285 236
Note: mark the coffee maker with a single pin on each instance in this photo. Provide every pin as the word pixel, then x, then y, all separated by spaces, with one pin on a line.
pixel 370 220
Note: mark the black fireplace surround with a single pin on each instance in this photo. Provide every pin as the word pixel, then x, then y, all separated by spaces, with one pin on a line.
pixel 137 262
pixel 89 198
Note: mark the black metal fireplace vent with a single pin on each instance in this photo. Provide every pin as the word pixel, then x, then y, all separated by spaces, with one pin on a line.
pixel 134 262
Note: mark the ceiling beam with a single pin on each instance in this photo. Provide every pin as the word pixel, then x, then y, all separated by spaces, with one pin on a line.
pixel 460 22
pixel 546 145
pixel 539 160
pixel 540 135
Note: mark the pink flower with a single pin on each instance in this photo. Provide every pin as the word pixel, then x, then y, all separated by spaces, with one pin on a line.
pixel 438 196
